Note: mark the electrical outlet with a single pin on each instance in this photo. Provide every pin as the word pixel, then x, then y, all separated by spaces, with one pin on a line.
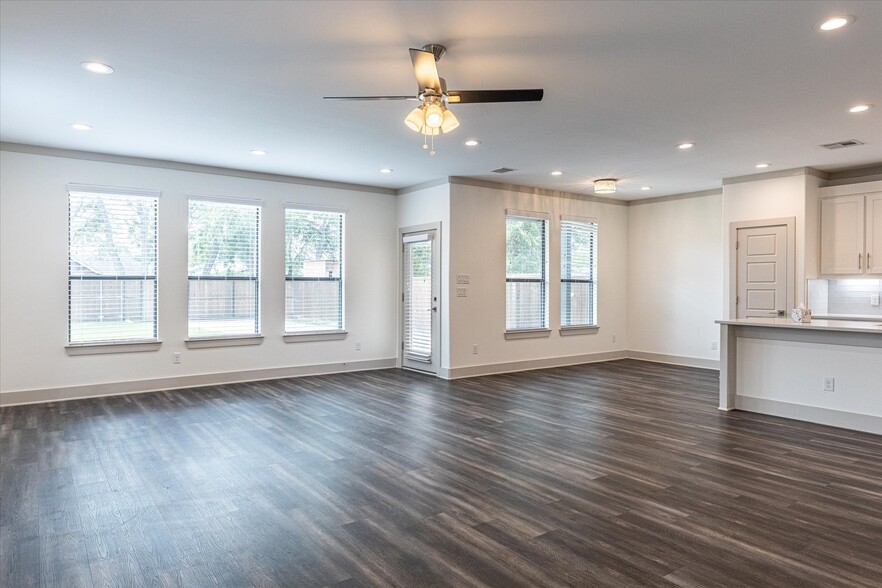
pixel 829 384
pixel 462 292
pixel 874 300
pixel 358 345
pixel 475 349
pixel 614 339
pixel 176 357
pixel 713 345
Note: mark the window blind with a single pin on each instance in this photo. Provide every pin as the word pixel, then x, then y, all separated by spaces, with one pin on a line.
pixel 313 271
pixel 417 258
pixel 526 272
pixel 112 283
pixel 578 269
pixel 223 297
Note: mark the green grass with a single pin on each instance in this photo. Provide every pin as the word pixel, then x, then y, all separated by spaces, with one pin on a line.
pixel 91 331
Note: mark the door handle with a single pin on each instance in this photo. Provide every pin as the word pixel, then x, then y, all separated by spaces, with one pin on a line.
pixel 859 261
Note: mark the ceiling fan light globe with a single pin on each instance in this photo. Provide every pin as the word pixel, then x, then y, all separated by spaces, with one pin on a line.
pixel 415 120
pixel 434 116
pixel 449 123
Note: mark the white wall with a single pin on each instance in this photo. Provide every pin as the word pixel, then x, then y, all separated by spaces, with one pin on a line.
pixel 478 248
pixel 33 276
pixel 675 280
pixel 759 200
pixel 428 206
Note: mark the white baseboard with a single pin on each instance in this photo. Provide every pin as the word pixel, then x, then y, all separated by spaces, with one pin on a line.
pixel 813 414
pixel 697 362
pixel 194 381
pixel 529 364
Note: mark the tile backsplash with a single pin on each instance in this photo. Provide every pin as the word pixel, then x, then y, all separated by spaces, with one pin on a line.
pixel 844 297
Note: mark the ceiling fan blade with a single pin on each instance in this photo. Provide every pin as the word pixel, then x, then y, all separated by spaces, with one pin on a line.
pixel 425 70
pixel 475 96
pixel 371 98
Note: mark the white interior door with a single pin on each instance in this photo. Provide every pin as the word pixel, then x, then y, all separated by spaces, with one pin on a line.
pixel 421 332
pixel 762 288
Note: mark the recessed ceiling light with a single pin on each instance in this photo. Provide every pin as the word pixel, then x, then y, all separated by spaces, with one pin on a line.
pixel 96 67
pixel 646 188
pixel 472 142
pixel 557 172
pixel 834 22
pixel 763 165
pixel 80 127
pixel 685 145
pixel 258 152
pixel 386 170
pixel 860 108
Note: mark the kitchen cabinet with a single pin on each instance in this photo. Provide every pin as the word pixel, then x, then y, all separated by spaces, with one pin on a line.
pixel 851 235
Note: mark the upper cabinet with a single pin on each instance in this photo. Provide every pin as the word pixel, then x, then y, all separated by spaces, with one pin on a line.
pixel 851 235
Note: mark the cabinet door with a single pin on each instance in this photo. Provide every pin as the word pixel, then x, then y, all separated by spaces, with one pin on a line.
pixel 842 235
pixel 873 263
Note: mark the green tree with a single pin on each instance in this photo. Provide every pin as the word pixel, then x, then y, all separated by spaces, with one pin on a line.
pixel 222 239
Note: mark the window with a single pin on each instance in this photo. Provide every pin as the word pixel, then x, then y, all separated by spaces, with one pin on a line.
pixel 111 267
pixel 578 269
pixel 526 271
pixel 313 271
pixel 224 268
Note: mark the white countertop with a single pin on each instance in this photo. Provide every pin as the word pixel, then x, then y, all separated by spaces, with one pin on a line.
pixel 815 325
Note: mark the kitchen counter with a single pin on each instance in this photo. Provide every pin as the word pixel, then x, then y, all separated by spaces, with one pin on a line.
pixel 816 324
pixel 827 371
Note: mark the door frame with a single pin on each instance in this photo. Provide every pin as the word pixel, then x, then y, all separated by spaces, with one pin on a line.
pixel 789 223
pixel 436 226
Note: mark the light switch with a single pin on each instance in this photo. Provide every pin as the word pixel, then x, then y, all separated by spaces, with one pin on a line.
pixel 462 292
pixel 874 300
pixel 462 278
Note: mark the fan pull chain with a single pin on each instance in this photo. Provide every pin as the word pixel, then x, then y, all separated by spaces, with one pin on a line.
pixel 432 152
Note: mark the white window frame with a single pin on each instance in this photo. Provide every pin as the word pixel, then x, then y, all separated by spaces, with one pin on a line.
pixel 591 225
pixel 230 340
pixel 102 346
pixel 325 334
pixel 543 330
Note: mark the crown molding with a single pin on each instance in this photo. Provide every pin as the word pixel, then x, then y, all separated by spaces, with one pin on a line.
pixel 188 167
pixel 463 181
pixel 683 196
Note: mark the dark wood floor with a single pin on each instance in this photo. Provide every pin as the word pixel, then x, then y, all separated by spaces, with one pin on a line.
pixel 615 474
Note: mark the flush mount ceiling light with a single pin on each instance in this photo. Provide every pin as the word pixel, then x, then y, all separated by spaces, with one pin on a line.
pixel 557 172
pixel 834 22
pixel 80 127
pixel 762 165
pixel 96 67
pixel 685 145
pixel 605 186
pixel 258 152
pixel 860 108
pixel 472 143
pixel 433 117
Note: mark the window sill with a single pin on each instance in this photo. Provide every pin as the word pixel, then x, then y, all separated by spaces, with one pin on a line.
pixel 306 337
pixel 527 334
pixel 208 342
pixel 108 348
pixel 578 330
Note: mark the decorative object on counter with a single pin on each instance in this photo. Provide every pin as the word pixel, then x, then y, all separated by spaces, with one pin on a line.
pixel 801 314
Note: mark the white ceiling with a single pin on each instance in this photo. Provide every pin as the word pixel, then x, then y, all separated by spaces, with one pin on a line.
pixel 205 82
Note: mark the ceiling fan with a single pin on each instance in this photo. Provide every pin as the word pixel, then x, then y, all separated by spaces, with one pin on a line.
pixel 432 116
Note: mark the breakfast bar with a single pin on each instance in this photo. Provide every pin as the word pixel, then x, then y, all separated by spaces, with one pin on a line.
pixel 823 371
